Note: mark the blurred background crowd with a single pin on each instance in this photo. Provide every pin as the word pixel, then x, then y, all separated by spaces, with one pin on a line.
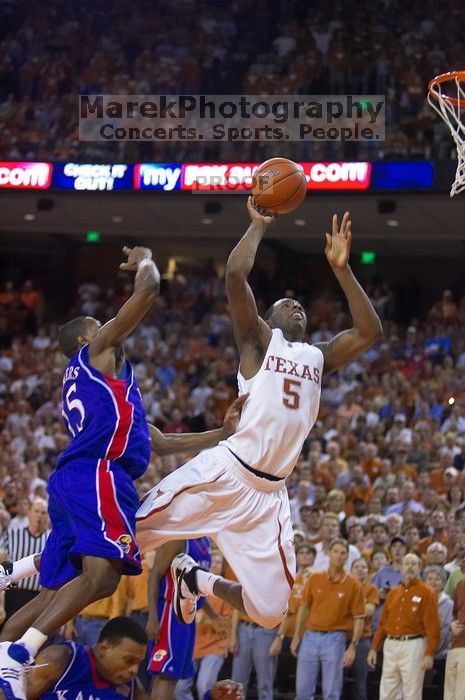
pixel 53 52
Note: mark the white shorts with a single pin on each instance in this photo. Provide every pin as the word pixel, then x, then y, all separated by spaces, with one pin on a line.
pixel 247 516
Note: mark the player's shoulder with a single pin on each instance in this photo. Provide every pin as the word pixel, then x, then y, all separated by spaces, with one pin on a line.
pixel 55 658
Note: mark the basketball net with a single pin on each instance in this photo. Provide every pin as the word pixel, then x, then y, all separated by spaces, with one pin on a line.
pixel 449 108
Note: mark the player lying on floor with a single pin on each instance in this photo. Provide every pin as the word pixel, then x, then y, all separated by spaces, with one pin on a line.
pixel 71 671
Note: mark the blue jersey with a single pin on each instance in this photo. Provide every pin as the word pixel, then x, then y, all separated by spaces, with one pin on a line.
pixel 172 653
pixel 104 416
pixel 80 680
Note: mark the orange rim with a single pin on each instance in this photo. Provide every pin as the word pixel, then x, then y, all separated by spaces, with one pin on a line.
pixel 435 90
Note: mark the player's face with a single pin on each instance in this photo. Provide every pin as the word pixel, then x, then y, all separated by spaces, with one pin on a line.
pixel 119 663
pixel 290 317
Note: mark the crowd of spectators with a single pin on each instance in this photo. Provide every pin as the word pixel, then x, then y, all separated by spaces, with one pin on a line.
pixel 53 52
pixel 386 456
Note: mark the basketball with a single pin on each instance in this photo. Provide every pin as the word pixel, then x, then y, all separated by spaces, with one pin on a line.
pixel 279 185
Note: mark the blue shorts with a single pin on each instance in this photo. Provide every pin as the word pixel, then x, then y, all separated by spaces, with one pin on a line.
pixel 172 654
pixel 92 508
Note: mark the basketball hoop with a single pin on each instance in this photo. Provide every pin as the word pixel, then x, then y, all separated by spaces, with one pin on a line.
pixel 449 108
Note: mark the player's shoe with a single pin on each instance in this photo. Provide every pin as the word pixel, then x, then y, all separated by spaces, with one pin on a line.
pixel 6 575
pixel 186 593
pixel 14 662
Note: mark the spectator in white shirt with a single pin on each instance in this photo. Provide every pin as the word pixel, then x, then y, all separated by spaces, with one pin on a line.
pixel 330 531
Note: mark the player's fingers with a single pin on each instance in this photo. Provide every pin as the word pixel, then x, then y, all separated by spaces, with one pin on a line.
pixel 126 250
pixel 240 401
pixel 335 226
pixel 328 240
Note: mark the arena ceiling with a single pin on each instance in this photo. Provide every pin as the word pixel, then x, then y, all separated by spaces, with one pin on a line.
pixel 416 224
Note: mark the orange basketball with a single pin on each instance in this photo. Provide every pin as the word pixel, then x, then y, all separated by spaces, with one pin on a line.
pixel 279 185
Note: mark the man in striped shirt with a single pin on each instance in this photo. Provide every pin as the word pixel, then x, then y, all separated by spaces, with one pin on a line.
pixel 23 542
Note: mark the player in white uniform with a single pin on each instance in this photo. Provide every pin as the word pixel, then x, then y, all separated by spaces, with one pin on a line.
pixel 235 493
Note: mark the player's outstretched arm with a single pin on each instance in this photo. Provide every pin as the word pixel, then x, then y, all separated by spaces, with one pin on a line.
pixel 247 325
pixel 172 443
pixel 146 288
pixel 47 670
pixel 367 328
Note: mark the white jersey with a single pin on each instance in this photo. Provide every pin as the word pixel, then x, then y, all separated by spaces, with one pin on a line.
pixel 282 406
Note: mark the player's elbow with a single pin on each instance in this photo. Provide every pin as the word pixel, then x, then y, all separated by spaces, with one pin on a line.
pixel 162 447
pixel 235 273
pixel 374 333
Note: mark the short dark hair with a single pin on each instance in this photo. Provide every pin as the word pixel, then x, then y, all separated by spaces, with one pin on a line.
pixel 120 628
pixel 379 524
pixel 68 335
pixel 305 545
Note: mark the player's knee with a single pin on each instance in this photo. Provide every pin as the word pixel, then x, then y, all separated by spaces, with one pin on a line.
pixel 103 586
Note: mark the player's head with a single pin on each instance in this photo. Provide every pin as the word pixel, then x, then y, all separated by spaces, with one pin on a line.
pixel 76 333
pixel 289 316
pixel 120 649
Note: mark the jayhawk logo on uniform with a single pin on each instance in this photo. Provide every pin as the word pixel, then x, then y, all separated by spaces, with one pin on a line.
pixel 124 542
pixel 160 654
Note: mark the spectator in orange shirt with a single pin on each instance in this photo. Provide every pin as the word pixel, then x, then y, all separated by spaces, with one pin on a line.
pixel 400 464
pixel 371 597
pixel 32 299
pixel 440 534
pixel 438 482
pixel 335 465
pixel 319 474
pixel 371 464
pixel 348 409
pixel 410 630
pixel 332 608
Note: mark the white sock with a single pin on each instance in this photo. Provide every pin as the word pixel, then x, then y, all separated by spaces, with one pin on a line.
pixel 23 568
pixel 33 640
pixel 206 581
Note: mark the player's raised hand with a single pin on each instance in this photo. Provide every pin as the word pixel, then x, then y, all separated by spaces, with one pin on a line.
pixel 256 213
pixel 233 415
pixel 135 256
pixel 338 242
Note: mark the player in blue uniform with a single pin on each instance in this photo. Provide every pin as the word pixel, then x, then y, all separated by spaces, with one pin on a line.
pixel 92 498
pixel 106 672
pixel 171 653
pixel 72 671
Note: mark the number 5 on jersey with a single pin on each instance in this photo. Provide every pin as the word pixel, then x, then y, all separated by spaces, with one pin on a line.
pixel 291 398
pixel 77 405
